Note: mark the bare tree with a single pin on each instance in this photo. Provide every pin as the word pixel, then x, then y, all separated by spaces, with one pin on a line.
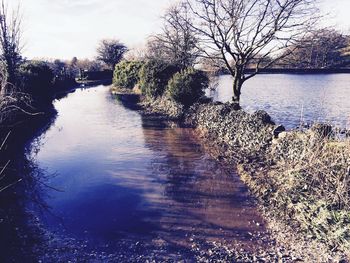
pixel 242 32
pixel 111 52
pixel 10 39
pixel 138 53
pixel 177 43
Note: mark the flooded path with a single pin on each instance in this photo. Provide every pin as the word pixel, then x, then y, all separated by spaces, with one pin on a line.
pixel 123 185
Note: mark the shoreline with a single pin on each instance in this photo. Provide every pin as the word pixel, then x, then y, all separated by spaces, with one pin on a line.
pixel 252 147
pixel 296 71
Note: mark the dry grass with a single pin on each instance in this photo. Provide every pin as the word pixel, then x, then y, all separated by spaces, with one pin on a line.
pixel 310 184
pixel 13 102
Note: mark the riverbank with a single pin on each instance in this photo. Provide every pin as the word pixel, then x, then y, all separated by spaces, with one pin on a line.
pixel 91 83
pixel 299 177
pixel 21 181
pixel 296 175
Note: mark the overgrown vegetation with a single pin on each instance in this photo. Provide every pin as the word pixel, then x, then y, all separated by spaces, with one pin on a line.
pixel 127 74
pixel 311 184
pixel 154 77
pixel 187 86
pixel 36 78
pixel 307 188
pixel 14 103
pixel 157 78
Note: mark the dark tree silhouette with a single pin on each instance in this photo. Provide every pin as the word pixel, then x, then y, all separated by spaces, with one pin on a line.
pixel 111 52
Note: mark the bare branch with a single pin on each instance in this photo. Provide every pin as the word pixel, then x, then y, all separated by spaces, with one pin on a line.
pixel 246 31
pixel 177 44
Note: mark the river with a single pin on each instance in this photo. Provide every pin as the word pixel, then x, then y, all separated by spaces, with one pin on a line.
pixel 292 99
pixel 119 185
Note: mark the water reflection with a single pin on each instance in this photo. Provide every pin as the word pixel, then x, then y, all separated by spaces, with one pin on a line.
pixel 205 200
pixel 291 98
pixel 124 179
pixel 20 235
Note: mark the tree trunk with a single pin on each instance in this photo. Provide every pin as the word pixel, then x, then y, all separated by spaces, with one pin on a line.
pixel 237 86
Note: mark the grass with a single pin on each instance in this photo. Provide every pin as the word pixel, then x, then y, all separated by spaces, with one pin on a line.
pixel 309 183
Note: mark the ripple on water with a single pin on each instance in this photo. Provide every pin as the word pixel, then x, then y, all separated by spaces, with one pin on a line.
pixel 292 98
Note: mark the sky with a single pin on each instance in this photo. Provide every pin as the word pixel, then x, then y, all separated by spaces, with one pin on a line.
pixel 67 28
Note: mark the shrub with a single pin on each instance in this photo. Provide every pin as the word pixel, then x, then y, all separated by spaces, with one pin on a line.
pixel 36 79
pixel 187 86
pixel 154 77
pixel 126 74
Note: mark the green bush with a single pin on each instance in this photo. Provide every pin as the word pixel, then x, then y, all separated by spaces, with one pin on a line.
pixel 187 86
pixel 36 79
pixel 126 74
pixel 154 77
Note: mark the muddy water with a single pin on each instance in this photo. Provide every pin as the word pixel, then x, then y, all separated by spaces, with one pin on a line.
pixel 119 181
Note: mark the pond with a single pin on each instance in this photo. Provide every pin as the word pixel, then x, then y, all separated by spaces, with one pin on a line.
pixel 119 184
pixel 293 99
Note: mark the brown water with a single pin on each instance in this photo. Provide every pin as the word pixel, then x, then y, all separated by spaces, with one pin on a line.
pixel 125 180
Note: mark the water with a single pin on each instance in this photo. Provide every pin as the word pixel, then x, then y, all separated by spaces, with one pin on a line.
pixel 117 178
pixel 291 99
